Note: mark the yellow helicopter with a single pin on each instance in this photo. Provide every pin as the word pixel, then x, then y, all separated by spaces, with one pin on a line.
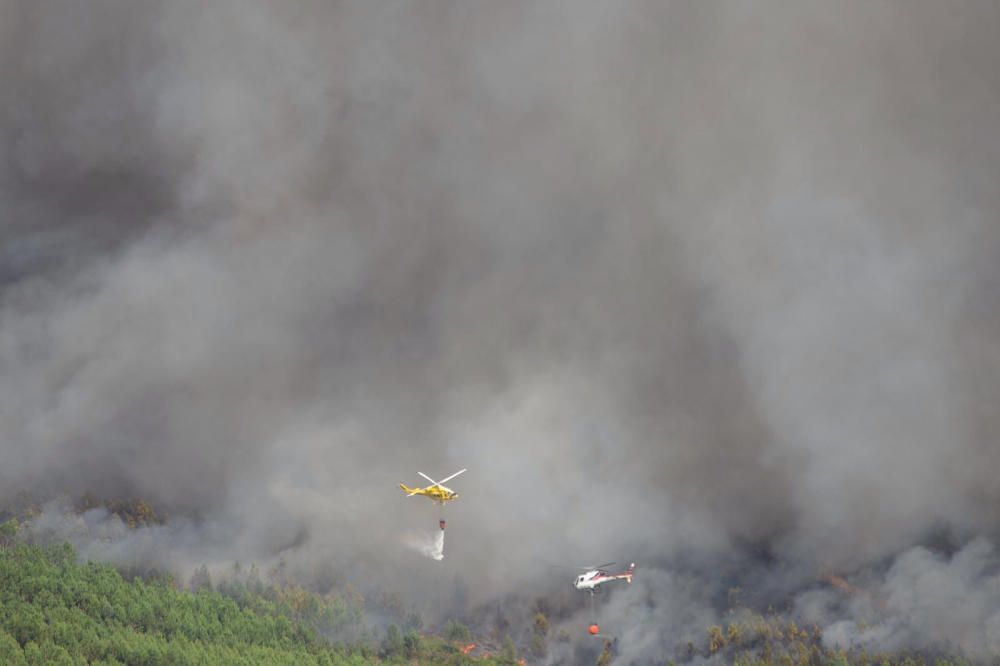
pixel 435 491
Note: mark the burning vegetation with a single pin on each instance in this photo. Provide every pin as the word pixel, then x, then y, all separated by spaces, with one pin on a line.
pixel 267 615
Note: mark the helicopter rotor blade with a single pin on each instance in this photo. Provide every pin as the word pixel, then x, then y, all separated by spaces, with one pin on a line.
pixel 433 482
pixel 597 566
pixel 446 480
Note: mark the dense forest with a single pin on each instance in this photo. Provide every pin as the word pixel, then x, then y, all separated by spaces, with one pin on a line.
pixel 55 610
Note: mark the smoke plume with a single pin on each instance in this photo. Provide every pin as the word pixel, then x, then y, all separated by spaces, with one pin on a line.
pixel 678 282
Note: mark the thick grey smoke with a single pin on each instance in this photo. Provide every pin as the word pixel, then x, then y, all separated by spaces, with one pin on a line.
pixel 666 277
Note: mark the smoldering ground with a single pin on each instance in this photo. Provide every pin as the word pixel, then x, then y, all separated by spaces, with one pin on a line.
pixel 666 277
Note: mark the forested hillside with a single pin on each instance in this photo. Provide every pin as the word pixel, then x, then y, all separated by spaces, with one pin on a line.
pixel 54 610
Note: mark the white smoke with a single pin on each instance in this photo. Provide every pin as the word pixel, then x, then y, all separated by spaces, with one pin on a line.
pixel 176 548
pixel 927 600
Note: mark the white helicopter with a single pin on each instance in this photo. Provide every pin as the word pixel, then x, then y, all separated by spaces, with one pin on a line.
pixel 596 575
